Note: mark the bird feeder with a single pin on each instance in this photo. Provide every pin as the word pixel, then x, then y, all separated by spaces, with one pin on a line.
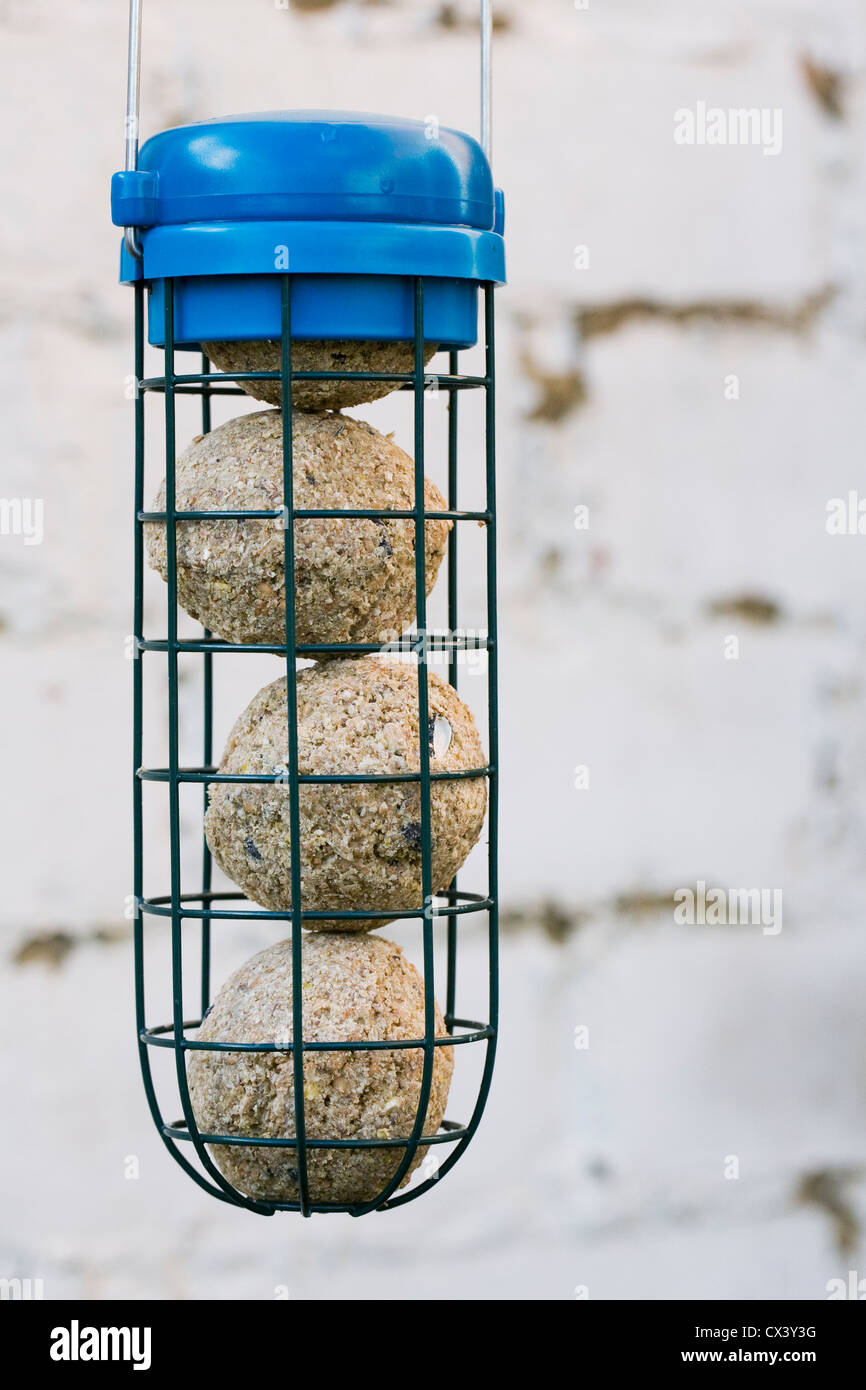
pixel 289 229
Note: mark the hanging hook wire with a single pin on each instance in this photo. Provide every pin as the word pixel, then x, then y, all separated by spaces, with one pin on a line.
pixel 133 97
pixel 487 76
pixel 133 108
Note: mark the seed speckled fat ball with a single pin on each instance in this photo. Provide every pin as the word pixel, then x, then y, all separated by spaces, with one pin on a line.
pixel 315 356
pixel 354 988
pixel 361 842
pixel 354 578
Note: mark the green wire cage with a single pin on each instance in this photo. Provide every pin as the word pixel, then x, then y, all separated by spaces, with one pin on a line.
pixel 166 306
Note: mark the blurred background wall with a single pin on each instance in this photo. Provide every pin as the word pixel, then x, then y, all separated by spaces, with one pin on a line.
pixel 678 1109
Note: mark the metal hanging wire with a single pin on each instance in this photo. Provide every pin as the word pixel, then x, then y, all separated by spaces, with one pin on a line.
pixel 487 79
pixel 133 112
pixel 133 96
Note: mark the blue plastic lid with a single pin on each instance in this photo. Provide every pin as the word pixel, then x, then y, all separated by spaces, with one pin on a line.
pixel 308 165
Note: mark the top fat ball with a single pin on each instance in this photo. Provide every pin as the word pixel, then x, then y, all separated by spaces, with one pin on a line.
pixel 325 356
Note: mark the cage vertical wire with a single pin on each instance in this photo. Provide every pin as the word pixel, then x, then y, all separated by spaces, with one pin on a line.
pixel 203 905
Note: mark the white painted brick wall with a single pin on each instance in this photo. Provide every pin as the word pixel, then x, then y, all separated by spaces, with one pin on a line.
pixel 602 1167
